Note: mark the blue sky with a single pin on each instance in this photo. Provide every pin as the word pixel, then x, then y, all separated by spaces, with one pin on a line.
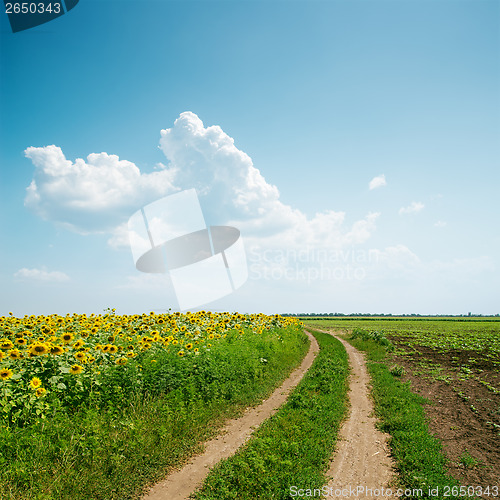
pixel 323 97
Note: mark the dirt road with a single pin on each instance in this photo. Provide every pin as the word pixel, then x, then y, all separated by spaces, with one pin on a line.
pixel 180 484
pixel 362 457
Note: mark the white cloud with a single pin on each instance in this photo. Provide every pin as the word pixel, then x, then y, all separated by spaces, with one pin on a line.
pixel 415 207
pixel 101 193
pixel 440 223
pixel 92 195
pixel 378 181
pixel 233 191
pixel 41 275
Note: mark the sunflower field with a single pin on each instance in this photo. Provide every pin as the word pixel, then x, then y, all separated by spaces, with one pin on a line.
pixel 87 376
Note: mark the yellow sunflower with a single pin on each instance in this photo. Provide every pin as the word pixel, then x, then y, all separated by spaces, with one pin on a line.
pixel 6 344
pixel 6 373
pixel 41 392
pixel 76 370
pixel 38 349
pixel 81 356
pixel 57 349
pixel 15 354
pixel 67 337
pixel 180 353
pixel 35 383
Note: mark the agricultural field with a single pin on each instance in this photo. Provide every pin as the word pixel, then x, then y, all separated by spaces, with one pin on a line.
pixel 455 365
pixel 97 406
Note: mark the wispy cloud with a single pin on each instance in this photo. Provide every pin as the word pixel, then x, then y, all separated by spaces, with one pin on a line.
pixel 440 223
pixel 41 275
pixel 413 208
pixel 378 181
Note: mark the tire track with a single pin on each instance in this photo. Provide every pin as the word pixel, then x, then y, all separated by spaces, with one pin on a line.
pixel 362 458
pixel 181 483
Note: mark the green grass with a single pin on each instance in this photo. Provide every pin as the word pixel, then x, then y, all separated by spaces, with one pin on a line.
pixel 112 450
pixel 293 448
pixel 420 461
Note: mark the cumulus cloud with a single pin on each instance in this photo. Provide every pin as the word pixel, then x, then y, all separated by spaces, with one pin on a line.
pixel 233 191
pixel 377 182
pixel 101 192
pixel 93 195
pixel 413 208
pixel 41 275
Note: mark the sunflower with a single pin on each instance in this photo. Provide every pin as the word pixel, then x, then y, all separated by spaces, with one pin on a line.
pixel 112 349
pixel 189 346
pixel 57 349
pixel 35 383
pixel 5 374
pixel 78 344
pixel 121 361
pixel 6 344
pixel 81 356
pixel 21 341
pixel 15 354
pixel 180 353
pixel 1 355
pixel 67 337
pixel 38 349
pixel 76 370
pixel 41 392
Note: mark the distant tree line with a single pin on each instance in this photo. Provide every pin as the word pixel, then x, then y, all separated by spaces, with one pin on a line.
pixel 387 315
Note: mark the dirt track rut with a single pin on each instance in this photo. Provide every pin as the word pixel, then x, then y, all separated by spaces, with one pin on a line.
pixel 362 458
pixel 180 484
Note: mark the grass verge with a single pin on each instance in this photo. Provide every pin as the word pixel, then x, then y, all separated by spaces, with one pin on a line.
pixel 293 448
pixel 112 450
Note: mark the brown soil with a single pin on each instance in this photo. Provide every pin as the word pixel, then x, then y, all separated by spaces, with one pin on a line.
pixel 362 459
pixel 180 484
pixel 462 410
